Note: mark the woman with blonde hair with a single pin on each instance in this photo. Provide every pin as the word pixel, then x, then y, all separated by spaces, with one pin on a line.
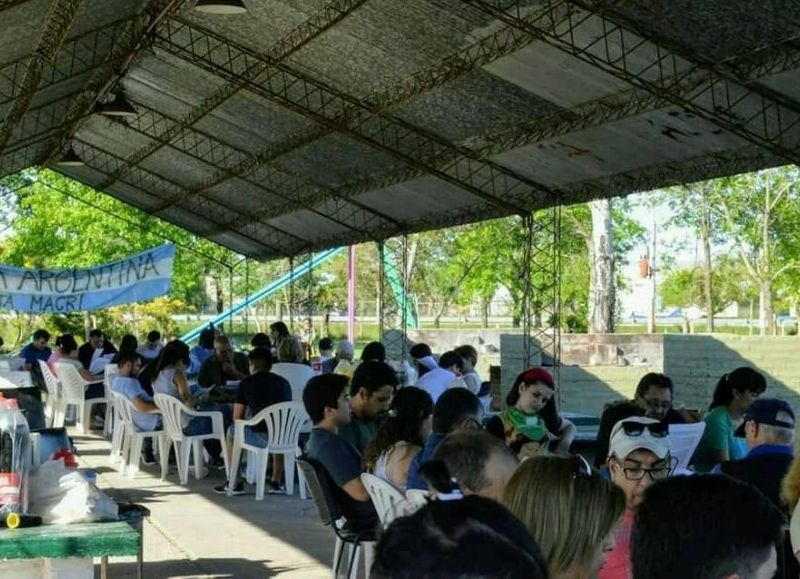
pixel 291 351
pixel 570 510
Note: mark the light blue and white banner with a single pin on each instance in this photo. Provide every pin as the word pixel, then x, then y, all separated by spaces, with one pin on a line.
pixel 136 278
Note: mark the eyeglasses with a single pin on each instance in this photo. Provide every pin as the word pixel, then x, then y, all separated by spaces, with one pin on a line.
pixel 637 473
pixel 657 430
pixel 582 467
pixel 654 403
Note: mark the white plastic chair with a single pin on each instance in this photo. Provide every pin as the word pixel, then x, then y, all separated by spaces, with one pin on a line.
pixel 417 498
pixel 134 439
pixel 389 501
pixel 284 422
pixel 683 440
pixel 73 389
pixel 55 411
pixel 172 410
pixel 297 375
pixel 109 373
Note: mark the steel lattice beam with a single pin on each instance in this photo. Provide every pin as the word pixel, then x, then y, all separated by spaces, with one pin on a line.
pixel 277 241
pixel 333 12
pixel 412 145
pixel 393 323
pixel 601 42
pixel 78 54
pixel 503 42
pixel 56 25
pixel 132 39
pixel 279 183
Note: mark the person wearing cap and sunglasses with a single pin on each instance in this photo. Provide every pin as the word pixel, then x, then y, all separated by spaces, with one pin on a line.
pixel 531 423
pixel 638 454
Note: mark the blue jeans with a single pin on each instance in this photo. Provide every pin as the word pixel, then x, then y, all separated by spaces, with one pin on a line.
pixel 251 437
pixel 198 425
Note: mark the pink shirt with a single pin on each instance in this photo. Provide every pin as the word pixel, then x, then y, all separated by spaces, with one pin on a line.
pixel 618 564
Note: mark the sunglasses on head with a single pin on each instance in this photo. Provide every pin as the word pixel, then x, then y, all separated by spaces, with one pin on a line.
pixel 657 430
pixel 582 467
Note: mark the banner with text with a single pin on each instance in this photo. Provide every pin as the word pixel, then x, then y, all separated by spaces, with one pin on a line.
pixel 136 278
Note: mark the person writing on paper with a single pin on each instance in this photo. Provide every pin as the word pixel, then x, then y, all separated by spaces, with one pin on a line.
pixel 170 379
pixel 96 353
pixel 35 351
pixel 223 366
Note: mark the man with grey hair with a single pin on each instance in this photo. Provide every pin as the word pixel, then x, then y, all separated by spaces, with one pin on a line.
pixel 344 351
pixel 768 428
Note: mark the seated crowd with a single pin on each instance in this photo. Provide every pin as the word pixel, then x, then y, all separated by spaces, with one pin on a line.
pixel 506 497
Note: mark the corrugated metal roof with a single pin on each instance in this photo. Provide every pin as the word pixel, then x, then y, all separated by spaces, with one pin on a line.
pixel 309 123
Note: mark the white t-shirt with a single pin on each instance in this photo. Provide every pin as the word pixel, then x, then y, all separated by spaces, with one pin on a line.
pixel 131 388
pixel 435 382
pixel 472 382
pixel 165 383
pixel 149 354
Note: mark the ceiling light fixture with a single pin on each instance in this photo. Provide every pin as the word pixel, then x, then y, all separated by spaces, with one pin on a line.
pixel 118 106
pixel 221 7
pixel 70 159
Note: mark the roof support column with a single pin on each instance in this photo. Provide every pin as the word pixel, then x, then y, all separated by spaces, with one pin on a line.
pixel 394 309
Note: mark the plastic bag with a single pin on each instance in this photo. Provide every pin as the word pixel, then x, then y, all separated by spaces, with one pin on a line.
pixel 62 497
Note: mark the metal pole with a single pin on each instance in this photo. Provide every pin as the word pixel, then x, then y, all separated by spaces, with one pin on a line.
pixel 230 298
pixel 351 295
pixel 247 296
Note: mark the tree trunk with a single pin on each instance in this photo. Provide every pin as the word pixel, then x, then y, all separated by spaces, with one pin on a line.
pixel 219 295
pixel 765 313
pixel 705 234
pixel 601 277
pixel 326 321
pixel 485 313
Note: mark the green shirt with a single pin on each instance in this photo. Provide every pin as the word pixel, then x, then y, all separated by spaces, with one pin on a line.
pixel 718 437
pixel 359 432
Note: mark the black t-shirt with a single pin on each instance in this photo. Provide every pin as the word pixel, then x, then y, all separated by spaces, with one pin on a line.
pixel 86 352
pixel 261 390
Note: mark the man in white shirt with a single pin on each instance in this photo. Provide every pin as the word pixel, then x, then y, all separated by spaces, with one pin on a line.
pixel 447 375
pixel 152 347
pixel 145 413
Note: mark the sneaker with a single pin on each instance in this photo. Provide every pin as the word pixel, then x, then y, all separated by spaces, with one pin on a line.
pixel 223 489
pixel 148 458
pixel 275 488
pixel 216 463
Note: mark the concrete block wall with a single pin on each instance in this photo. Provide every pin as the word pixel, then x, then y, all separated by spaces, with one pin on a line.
pixel 512 358
pixel 696 364
pixel 588 389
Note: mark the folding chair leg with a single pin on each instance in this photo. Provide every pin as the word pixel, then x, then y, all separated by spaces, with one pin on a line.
pixel 369 557
pixel 108 425
pixel 197 446
pixel 352 569
pixel 126 449
pixel 136 454
pixel 236 458
pixel 288 473
pixel 337 557
pixel 185 447
pixel 84 414
pixel 163 455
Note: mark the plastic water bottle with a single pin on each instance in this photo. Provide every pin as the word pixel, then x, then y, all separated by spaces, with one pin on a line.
pixel 15 458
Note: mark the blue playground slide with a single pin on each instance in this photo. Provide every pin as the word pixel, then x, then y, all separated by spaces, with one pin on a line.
pixel 266 291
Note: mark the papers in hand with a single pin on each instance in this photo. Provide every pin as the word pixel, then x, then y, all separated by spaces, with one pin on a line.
pixel 99 363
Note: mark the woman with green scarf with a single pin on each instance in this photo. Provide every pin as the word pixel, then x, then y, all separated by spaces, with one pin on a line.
pixel 530 425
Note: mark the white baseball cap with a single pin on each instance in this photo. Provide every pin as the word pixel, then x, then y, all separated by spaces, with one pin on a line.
pixel 627 437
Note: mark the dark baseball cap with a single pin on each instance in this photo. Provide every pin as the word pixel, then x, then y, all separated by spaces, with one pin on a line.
pixel 770 411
